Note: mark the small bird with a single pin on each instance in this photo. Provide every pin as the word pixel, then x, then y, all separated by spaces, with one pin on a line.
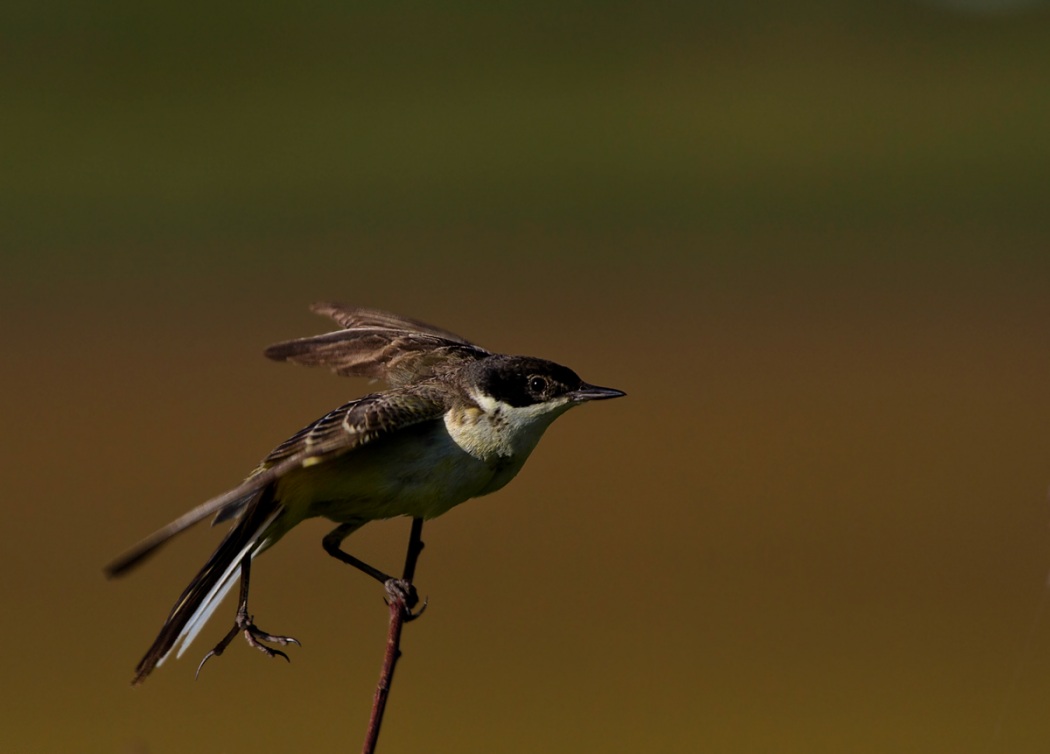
pixel 458 422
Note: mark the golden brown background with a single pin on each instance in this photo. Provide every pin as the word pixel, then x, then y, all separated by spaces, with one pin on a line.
pixel 810 240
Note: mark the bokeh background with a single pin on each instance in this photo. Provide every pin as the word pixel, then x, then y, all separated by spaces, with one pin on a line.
pixel 810 240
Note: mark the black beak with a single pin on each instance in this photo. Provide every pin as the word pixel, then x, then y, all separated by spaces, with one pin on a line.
pixel 594 393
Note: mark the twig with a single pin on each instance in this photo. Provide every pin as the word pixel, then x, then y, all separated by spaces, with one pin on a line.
pixel 402 600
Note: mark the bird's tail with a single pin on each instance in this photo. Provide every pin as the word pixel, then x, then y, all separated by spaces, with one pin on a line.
pixel 197 603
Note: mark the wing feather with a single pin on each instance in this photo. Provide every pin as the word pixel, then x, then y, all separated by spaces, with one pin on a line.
pixel 358 317
pixel 378 345
pixel 359 422
pixel 340 431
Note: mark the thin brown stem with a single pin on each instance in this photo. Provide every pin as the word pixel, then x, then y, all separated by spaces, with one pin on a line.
pixel 400 613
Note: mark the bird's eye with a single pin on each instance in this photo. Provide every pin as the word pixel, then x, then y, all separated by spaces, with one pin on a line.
pixel 537 384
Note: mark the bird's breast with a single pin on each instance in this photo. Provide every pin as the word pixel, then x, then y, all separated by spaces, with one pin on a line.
pixel 422 470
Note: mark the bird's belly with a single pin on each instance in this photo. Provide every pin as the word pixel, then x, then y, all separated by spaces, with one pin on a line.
pixel 420 472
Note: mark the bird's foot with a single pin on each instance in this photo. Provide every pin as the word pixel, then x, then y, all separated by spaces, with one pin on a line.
pixel 402 592
pixel 255 637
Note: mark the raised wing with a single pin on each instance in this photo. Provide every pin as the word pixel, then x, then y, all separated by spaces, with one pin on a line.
pixel 355 317
pixel 378 345
pixel 338 432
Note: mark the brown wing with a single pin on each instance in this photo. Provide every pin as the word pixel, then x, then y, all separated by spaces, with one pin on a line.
pixel 356 423
pixel 378 345
pixel 340 431
pixel 355 317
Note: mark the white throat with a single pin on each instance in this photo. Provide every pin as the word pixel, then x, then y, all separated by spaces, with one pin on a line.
pixel 497 431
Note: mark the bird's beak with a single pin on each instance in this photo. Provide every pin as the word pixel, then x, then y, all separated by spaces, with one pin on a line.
pixel 594 393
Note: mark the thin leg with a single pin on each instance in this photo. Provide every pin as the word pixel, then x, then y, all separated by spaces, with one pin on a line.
pixel 415 546
pixel 245 623
pixel 395 588
pixel 335 538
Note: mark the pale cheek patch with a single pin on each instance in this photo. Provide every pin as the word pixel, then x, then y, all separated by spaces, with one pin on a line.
pixel 500 430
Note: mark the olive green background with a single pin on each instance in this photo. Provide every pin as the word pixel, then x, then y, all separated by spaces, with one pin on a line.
pixel 809 240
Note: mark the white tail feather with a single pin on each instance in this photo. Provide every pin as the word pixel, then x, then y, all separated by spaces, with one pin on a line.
pixel 216 595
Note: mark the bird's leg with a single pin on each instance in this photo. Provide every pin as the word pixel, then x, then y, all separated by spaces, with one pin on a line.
pixel 415 547
pixel 245 623
pixel 396 589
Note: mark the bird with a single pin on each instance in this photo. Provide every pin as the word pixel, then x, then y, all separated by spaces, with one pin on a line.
pixel 456 422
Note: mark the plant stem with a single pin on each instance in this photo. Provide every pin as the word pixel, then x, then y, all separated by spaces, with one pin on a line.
pixel 400 613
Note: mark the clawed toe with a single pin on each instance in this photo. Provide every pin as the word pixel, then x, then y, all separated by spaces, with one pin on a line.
pixel 401 591
pixel 255 637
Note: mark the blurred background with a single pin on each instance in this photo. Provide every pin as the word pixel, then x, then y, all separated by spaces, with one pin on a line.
pixel 810 240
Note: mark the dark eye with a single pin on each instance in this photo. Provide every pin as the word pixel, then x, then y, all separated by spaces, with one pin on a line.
pixel 537 384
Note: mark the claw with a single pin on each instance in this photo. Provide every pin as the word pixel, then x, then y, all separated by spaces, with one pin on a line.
pixel 410 616
pixel 255 637
pixel 399 590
